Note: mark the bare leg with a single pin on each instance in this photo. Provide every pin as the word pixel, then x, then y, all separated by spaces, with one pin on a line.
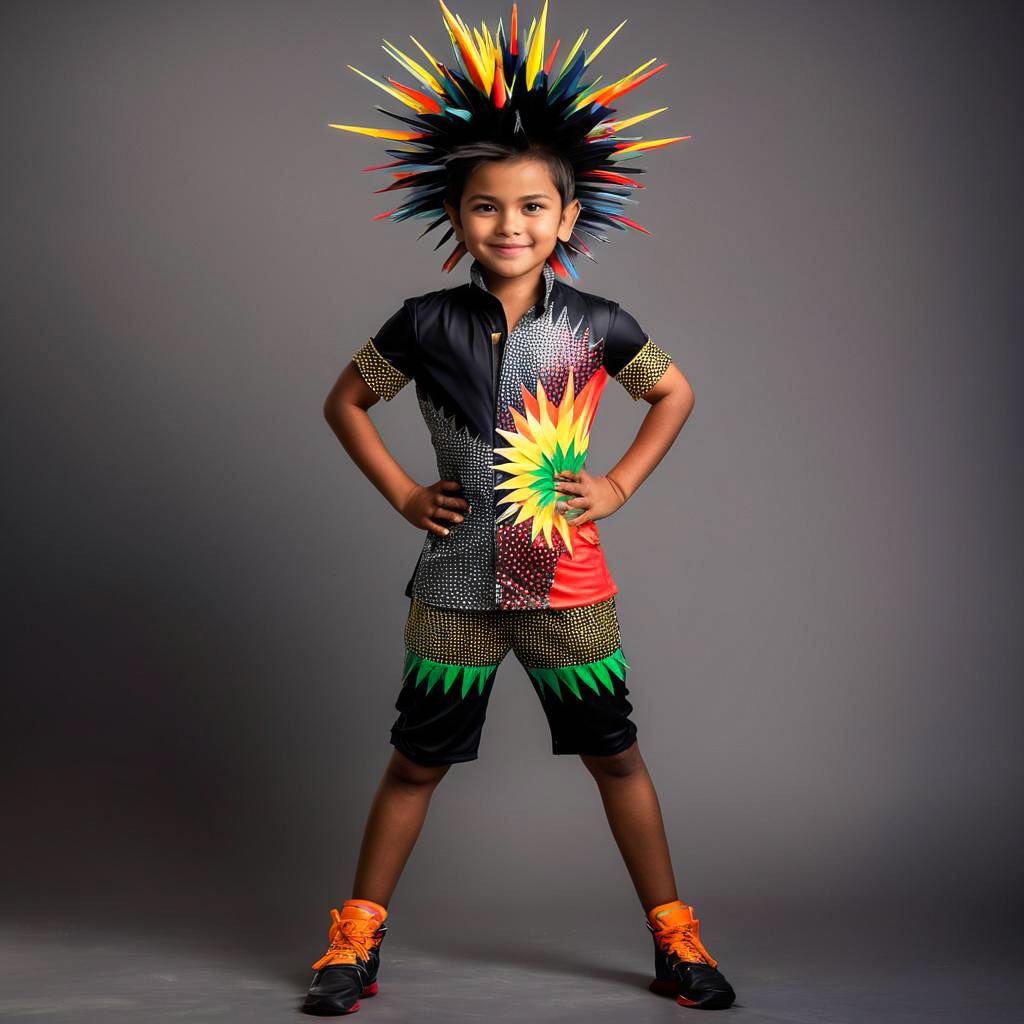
pixel 634 815
pixel 396 816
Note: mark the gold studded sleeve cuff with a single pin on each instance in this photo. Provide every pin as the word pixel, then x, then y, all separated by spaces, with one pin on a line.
pixel 644 370
pixel 383 378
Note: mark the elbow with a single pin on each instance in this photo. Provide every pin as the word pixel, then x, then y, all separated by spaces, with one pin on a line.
pixel 686 393
pixel 688 403
pixel 330 408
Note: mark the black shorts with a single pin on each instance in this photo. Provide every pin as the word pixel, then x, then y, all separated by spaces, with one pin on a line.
pixel 572 656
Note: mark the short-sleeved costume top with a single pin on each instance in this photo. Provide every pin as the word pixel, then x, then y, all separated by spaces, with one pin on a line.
pixel 507 410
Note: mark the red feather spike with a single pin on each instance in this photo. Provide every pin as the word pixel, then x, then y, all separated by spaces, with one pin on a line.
pixel 632 224
pixel 498 89
pixel 382 167
pixel 611 176
pixel 609 95
pixel 456 254
pixel 422 97
pixel 551 59
pixel 530 403
pixel 557 266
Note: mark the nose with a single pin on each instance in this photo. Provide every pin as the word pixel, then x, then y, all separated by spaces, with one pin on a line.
pixel 508 223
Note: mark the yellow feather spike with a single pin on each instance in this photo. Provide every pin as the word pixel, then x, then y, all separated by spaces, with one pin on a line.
pixel 604 42
pixel 407 100
pixel 434 64
pixel 572 53
pixel 546 527
pixel 567 399
pixel 649 144
pixel 634 74
pixel 492 39
pixel 490 52
pixel 465 45
pixel 535 56
pixel 417 69
pixel 525 512
pixel 523 483
pixel 563 529
pixel 528 449
pixel 588 97
pixel 523 494
pixel 593 93
pixel 617 126
pixel 379 133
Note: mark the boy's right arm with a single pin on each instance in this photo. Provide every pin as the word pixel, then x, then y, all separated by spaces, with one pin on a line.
pixel 346 410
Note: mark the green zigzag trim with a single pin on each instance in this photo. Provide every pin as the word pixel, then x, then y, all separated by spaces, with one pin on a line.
pixel 432 671
pixel 602 669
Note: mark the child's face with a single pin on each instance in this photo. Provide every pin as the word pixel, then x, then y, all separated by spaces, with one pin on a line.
pixel 511 215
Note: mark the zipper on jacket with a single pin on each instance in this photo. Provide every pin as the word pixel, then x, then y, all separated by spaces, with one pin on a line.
pixel 497 361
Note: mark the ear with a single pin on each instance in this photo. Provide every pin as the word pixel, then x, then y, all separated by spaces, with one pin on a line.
pixel 568 221
pixel 453 216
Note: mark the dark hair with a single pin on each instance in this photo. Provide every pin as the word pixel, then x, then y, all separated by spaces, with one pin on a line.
pixel 463 160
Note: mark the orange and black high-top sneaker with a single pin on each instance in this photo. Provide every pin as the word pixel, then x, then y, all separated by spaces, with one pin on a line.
pixel 682 966
pixel 348 969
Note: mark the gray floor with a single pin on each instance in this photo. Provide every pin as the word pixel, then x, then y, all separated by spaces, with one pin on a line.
pixel 80 976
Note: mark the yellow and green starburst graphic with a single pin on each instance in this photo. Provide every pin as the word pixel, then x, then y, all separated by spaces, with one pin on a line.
pixel 549 438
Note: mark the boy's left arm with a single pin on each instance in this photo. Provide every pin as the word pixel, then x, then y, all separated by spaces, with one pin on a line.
pixel 671 400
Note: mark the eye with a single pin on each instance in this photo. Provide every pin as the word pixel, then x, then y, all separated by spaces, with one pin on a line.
pixel 480 206
pixel 540 206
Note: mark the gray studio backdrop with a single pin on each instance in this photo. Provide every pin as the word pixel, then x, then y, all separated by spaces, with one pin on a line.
pixel 819 586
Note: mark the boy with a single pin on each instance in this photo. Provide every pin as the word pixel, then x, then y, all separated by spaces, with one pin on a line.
pixel 509 371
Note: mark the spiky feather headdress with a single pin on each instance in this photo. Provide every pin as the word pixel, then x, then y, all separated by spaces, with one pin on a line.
pixel 502 93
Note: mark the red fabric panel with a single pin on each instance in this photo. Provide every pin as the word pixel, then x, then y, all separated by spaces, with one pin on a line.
pixel 583 578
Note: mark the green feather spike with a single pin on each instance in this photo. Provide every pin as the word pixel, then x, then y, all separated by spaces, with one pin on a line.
pixel 614 665
pixel 421 671
pixel 537 681
pixel 547 675
pixel 597 667
pixel 484 677
pixel 449 676
pixel 410 660
pixel 583 671
pixel 621 657
pixel 469 676
pixel 567 677
pixel 433 675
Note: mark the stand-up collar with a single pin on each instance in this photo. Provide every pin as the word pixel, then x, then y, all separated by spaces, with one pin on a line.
pixel 476 277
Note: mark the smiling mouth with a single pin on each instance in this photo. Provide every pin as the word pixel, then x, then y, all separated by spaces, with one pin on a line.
pixel 510 248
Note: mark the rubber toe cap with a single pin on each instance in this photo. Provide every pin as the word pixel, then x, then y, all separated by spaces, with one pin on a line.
pixel 334 990
pixel 705 987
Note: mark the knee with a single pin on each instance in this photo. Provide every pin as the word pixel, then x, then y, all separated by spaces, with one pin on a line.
pixel 406 772
pixel 615 766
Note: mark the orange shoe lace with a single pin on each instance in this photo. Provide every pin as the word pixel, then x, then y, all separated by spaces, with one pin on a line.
pixel 348 939
pixel 684 941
